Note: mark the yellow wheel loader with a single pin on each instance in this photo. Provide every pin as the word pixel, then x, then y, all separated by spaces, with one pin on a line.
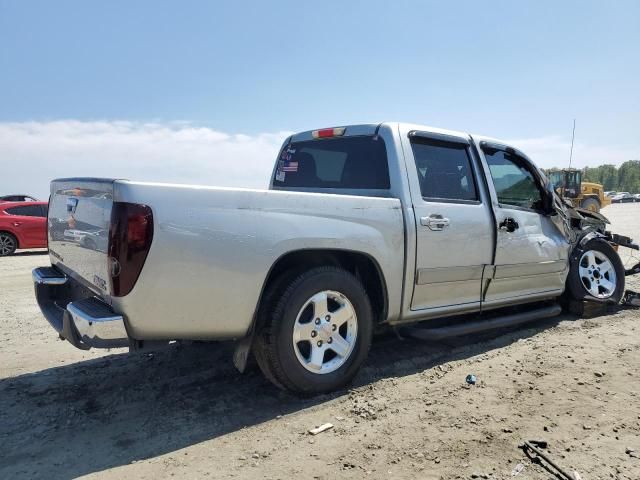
pixel 568 183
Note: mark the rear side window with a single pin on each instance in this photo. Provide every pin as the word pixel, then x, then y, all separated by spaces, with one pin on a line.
pixel 27 211
pixel 343 162
pixel 444 170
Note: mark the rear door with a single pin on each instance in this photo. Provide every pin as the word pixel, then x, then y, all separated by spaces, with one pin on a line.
pixel 454 233
pixel 30 221
pixel 531 256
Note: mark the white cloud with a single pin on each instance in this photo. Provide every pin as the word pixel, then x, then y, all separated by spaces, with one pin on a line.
pixel 33 153
pixel 553 151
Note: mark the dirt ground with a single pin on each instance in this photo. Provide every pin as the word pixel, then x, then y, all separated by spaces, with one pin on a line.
pixel 184 412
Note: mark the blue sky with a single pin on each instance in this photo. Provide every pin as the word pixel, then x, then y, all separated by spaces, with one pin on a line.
pixel 513 70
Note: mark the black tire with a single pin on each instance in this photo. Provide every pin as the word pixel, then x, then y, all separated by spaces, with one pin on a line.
pixel 575 284
pixel 273 346
pixel 8 244
pixel 590 204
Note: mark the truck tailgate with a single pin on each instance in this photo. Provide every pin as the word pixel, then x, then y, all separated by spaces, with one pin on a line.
pixel 78 224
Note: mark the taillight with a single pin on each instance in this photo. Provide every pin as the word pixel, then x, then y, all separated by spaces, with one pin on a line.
pixel 130 238
pixel 328 132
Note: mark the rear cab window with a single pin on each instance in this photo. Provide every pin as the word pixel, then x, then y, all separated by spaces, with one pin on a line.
pixel 338 163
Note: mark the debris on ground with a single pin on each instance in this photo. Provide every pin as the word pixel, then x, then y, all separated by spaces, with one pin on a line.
pixel 322 428
pixel 631 298
pixel 471 379
pixel 529 448
pixel 517 469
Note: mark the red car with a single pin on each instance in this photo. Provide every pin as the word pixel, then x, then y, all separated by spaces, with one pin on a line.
pixel 22 225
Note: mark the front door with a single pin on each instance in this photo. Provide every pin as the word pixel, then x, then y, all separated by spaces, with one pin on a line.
pixel 454 238
pixel 531 253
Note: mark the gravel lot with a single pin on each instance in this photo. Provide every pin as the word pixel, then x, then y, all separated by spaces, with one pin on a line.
pixel 184 412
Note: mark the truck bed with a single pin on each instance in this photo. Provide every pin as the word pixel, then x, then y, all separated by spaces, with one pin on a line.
pixel 213 248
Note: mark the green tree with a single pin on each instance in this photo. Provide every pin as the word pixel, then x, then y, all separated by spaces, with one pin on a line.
pixel 629 176
pixel 606 175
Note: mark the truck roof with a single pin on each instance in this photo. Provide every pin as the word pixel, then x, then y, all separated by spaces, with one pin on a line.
pixel 371 128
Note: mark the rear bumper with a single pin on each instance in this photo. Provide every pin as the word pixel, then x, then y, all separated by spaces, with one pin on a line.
pixel 76 314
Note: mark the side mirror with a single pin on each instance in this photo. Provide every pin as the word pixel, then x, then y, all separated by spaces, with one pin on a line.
pixel 548 202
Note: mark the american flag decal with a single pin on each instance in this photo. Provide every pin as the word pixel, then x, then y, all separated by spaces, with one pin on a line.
pixel 290 167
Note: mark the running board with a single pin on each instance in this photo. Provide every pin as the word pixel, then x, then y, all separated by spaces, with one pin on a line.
pixel 440 333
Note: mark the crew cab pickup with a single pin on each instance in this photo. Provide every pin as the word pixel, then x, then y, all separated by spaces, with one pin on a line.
pixel 362 227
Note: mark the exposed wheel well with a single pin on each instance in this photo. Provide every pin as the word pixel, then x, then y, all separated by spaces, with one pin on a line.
pixel 365 268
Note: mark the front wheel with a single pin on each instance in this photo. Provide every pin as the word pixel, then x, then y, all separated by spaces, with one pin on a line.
pixel 597 273
pixel 318 334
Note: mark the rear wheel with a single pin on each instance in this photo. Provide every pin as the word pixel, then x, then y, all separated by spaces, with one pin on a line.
pixel 597 273
pixel 8 244
pixel 590 204
pixel 319 333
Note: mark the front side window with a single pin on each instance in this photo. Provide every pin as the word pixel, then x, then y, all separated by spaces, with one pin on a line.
pixel 342 162
pixel 514 183
pixel 444 170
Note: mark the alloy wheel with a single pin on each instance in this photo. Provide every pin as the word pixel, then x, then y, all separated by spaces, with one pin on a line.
pixel 597 274
pixel 7 244
pixel 325 332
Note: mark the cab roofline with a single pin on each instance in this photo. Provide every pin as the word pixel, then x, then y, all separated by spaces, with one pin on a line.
pixel 371 128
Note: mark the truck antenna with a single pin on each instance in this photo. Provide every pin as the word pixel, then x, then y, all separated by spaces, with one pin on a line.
pixel 573 135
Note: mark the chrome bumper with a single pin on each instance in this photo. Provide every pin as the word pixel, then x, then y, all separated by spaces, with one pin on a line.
pixel 76 314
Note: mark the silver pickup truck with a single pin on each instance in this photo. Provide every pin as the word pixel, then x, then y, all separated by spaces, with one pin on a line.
pixel 363 227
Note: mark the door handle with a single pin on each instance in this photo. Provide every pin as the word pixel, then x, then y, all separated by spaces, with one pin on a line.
pixel 435 222
pixel 509 225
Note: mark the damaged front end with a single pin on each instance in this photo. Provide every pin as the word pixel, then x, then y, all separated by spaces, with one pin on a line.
pixel 583 226
pixel 579 223
pixel 585 222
